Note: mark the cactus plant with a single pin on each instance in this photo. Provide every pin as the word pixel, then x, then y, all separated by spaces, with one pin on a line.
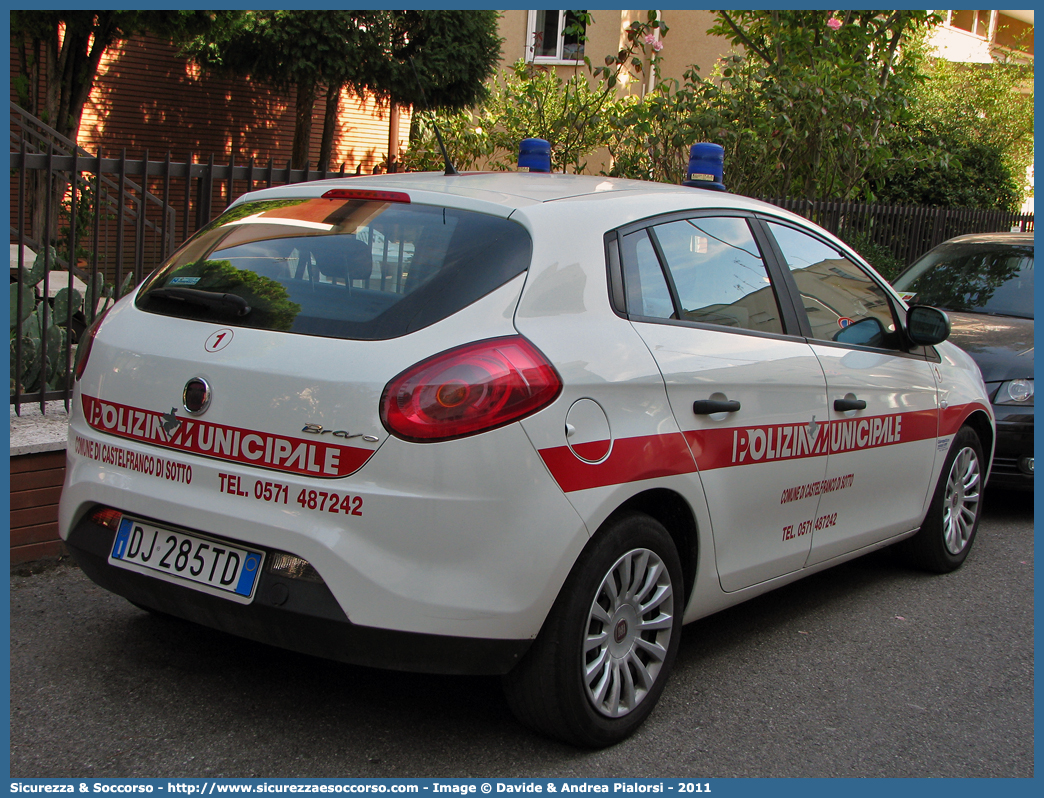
pixel 46 358
pixel 67 302
pixel 95 295
pixel 28 303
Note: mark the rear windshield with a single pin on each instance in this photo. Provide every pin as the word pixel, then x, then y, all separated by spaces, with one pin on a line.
pixel 338 268
pixel 996 279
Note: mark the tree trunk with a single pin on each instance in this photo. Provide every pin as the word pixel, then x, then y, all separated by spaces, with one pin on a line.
pixel 70 70
pixel 86 68
pixel 333 107
pixel 303 124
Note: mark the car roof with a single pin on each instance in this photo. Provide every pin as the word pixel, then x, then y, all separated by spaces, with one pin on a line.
pixel 513 190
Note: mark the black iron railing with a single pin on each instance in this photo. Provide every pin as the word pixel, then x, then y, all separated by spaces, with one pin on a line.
pixel 907 232
pixel 85 229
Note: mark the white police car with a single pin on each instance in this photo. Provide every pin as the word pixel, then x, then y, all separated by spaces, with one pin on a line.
pixel 519 424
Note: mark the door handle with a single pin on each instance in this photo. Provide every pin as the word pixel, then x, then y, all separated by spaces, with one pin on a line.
pixel 842 405
pixel 704 407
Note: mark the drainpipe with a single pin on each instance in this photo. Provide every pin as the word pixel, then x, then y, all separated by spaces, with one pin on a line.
pixel 652 72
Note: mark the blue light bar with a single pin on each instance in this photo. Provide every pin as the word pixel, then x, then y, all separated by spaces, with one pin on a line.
pixel 534 155
pixel 706 166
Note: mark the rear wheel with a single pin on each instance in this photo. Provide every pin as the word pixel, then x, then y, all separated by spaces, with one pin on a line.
pixel 600 663
pixel 949 528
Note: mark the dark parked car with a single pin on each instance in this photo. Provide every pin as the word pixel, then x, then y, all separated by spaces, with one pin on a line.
pixel 985 283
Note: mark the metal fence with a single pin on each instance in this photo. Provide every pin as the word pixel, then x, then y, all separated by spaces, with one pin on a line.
pixel 907 232
pixel 84 229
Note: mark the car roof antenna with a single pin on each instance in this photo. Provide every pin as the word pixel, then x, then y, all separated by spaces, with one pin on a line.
pixel 438 136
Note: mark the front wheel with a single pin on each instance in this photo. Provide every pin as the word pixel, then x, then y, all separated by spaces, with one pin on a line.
pixel 601 660
pixel 949 528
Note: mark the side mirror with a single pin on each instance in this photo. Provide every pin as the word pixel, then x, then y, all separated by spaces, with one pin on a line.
pixel 927 326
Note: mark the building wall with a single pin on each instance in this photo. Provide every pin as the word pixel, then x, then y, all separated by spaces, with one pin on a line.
pixel 686 43
pixel 982 37
pixel 146 97
pixel 512 30
pixel 36 486
pixel 1014 32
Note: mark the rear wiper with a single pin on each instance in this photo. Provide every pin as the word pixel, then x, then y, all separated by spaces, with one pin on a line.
pixel 226 303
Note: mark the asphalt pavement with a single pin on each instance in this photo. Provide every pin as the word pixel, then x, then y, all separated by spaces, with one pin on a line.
pixel 868 669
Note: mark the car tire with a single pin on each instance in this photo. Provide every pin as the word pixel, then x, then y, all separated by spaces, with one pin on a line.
pixel 599 664
pixel 949 528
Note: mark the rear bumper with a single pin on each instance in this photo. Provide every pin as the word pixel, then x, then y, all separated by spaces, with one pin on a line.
pixel 294 614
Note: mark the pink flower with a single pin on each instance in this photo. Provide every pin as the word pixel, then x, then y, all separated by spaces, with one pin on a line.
pixel 650 39
pixel 833 23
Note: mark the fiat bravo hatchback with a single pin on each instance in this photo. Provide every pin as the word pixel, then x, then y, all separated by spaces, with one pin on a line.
pixel 517 424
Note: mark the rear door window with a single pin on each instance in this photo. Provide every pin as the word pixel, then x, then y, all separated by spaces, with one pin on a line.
pixel 358 269
pixel 706 269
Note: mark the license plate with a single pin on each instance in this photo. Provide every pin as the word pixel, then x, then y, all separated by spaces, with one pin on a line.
pixel 207 565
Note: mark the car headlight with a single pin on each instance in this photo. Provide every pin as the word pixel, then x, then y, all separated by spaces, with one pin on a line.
pixel 1015 392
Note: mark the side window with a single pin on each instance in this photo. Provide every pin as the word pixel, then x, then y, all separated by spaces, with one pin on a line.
pixel 842 303
pixel 647 292
pixel 718 273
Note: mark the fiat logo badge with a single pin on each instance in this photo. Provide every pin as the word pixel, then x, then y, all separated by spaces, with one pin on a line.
pixel 620 632
pixel 196 396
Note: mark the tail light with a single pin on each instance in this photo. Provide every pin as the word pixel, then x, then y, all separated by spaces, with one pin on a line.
pixel 470 389
pixel 83 348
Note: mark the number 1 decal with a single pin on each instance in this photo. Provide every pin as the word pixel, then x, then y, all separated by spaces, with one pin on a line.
pixel 219 340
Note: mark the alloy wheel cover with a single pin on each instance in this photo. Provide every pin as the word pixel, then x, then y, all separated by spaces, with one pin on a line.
pixel 961 501
pixel 628 633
